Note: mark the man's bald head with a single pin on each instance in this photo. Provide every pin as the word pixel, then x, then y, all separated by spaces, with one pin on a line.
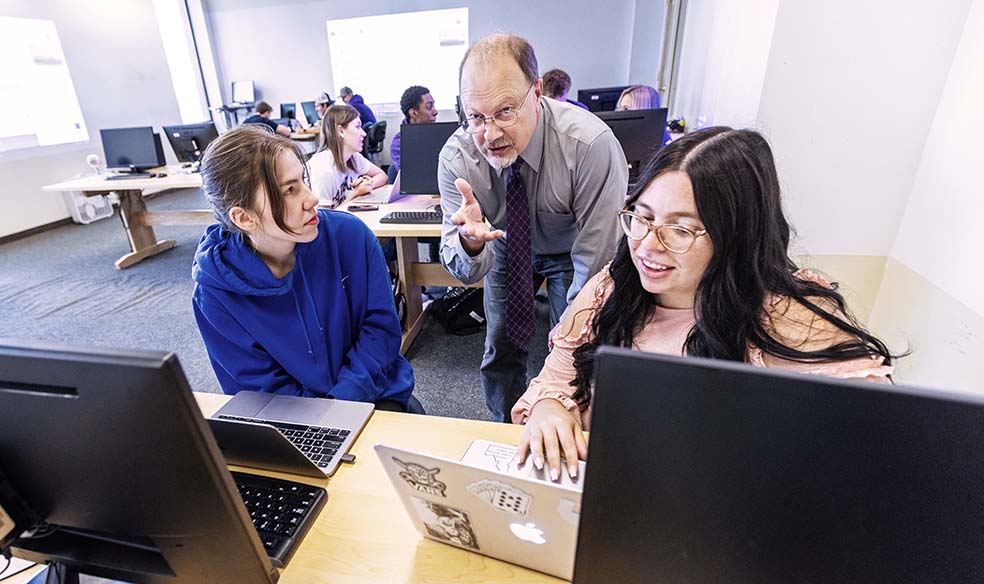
pixel 497 46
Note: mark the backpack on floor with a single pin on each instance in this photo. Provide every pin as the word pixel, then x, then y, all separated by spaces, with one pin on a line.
pixel 460 311
pixel 399 300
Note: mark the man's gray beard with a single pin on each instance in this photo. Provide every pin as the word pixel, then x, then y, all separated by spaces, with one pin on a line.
pixel 499 163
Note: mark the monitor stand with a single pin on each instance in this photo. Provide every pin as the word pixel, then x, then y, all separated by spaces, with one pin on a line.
pixel 59 573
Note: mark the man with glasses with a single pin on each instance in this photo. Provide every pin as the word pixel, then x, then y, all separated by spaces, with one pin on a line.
pixel 530 190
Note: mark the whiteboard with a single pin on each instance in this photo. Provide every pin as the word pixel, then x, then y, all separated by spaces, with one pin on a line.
pixel 37 96
pixel 380 56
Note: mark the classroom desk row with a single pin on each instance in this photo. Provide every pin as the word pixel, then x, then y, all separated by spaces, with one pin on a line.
pixel 139 223
pixel 363 534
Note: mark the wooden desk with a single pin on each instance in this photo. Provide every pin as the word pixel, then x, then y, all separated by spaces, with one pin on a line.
pixel 363 534
pixel 137 221
pixel 413 274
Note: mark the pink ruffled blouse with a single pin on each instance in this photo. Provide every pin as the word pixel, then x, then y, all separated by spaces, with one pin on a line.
pixel 789 322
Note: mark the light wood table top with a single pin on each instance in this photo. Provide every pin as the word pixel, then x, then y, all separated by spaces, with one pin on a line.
pixel 363 535
pixel 97 183
pixel 406 203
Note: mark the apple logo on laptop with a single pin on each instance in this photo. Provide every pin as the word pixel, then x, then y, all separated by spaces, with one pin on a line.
pixel 528 532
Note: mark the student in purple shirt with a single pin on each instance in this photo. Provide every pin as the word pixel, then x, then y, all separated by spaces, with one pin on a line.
pixel 418 108
pixel 355 100
pixel 557 84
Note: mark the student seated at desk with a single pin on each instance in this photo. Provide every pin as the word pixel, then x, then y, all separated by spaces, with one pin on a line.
pixel 289 298
pixel 338 170
pixel 703 270
pixel 262 117
pixel 641 97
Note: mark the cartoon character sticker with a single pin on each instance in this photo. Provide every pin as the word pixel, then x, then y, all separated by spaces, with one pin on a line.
pixel 421 478
pixel 502 496
pixel 446 523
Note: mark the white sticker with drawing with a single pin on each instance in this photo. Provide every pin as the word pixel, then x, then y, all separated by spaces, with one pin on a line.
pixel 502 496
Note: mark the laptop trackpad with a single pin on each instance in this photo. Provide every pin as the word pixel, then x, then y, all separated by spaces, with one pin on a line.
pixel 296 410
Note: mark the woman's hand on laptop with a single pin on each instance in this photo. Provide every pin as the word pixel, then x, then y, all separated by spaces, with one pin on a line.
pixel 550 431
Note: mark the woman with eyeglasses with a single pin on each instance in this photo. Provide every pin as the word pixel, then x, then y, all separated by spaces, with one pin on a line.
pixel 703 270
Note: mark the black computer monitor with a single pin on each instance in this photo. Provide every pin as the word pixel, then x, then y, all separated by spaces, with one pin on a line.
pixel 420 145
pixel 714 471
pixel 132 149
pixel 601 99
pixel 110 450
pixel 640 132
pixel 189 141
pixel 288 110
pixel 243 92
pixel 310 112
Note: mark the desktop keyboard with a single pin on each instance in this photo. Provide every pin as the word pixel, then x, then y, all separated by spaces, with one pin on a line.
pixel 318 443
pixel 282 512
pixel 413 217
pixel 127 176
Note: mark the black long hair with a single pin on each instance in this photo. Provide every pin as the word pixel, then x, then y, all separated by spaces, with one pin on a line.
pixel 736 191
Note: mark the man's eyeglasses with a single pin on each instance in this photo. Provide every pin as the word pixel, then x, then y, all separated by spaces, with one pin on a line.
pixel 503 118
pixel 676 238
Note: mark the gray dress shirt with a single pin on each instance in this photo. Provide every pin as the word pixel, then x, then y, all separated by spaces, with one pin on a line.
pixel 576 177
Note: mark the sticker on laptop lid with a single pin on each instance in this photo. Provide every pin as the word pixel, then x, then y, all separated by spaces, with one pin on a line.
pixel 421 478
pixel 502 496
pixel 446 523
pixel 569 511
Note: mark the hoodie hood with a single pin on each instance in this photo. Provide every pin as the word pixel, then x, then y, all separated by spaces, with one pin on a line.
pixel 225 261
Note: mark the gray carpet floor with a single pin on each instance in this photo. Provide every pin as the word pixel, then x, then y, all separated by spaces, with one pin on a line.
pixel 61 286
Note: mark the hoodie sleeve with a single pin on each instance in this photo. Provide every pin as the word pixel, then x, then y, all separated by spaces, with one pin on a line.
pixel 364 375
pixel 240 364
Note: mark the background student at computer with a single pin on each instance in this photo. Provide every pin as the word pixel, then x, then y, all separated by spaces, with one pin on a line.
pixel 338 170
pixel 262 117
pixel 701 270
pixel 290 299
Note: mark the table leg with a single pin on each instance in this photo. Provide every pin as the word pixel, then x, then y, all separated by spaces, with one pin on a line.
pixel 406 255
pixel 143 241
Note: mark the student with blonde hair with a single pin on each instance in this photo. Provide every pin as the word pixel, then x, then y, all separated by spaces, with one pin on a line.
pixel 338 170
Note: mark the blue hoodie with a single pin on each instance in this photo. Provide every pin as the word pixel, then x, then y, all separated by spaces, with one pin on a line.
pixel 327 328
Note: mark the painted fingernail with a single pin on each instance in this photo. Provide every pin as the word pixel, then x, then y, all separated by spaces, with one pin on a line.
pixel 554 474
pixel 572 470
pixel 538 462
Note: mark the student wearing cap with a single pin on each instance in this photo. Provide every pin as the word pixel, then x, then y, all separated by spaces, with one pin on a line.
pixel 321 105
pixel 355 100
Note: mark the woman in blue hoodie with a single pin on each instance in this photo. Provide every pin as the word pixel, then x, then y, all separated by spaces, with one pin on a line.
pixel 289 298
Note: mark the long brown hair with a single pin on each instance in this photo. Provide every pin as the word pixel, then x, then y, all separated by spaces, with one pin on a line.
pixel 337 115
pixel 237 164
pixel 736 189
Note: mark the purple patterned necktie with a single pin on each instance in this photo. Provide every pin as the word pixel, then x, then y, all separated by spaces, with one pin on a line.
pixel 519 265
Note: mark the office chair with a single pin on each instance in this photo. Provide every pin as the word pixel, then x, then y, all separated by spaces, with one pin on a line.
pixel 375 136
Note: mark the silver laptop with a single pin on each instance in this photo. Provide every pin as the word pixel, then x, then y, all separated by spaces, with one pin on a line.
pixel 487 504
pixel 298 435
pixel 380 196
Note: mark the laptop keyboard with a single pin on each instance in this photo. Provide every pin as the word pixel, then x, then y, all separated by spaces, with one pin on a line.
pixel 318 443
pixel 282 512
pixel 412 217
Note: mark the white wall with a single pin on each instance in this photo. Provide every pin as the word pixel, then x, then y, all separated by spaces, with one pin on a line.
pixel 850 91
pixel 932 296
pixel 116 59
pixel 940 234
pixel 723 57
pixel 591 40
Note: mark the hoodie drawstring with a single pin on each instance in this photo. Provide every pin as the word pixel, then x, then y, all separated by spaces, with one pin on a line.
pixel 300 316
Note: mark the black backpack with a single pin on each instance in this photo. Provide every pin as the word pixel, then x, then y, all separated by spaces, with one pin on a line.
pixel 460 311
